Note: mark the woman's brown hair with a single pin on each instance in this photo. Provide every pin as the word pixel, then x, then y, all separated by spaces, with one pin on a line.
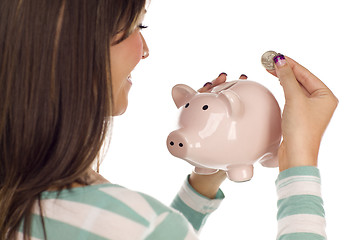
pixel 55 96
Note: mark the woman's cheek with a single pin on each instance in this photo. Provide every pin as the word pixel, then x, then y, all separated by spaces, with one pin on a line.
pixel 138 48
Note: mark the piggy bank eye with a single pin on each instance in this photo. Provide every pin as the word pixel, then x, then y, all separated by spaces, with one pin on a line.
pixel 187 105
pixel 205 107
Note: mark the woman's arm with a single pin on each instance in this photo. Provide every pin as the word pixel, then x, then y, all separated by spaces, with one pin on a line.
pixel 309 106
pixel 207 185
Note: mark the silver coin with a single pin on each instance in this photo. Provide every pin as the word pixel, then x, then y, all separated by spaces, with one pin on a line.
pixel 267 60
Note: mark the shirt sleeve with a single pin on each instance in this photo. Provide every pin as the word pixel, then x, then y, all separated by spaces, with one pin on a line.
pixel 300 206
pixel 194 206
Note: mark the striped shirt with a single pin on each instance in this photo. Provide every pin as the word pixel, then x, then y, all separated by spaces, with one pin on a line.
pixel 109 211
pixel 301 214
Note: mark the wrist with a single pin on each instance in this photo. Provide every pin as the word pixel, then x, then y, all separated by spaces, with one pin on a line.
pixel 283 167
pixel 297 158
pixel 207 185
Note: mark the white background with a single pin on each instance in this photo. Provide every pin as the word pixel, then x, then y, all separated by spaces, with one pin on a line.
pixel 191 42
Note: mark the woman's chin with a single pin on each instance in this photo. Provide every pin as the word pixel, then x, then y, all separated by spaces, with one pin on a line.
pixel 120 110
pixel 121 102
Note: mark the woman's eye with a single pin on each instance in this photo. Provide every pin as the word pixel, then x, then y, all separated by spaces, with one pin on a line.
pixel 141 26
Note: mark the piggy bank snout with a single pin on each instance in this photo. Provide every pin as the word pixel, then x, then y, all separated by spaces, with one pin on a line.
pixel 177 144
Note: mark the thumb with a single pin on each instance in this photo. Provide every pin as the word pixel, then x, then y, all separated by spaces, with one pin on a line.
pixel 286 77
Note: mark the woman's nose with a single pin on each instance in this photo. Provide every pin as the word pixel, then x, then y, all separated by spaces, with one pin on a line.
pixel 145 48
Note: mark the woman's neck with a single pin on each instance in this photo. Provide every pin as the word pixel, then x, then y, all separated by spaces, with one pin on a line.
pixel 93 178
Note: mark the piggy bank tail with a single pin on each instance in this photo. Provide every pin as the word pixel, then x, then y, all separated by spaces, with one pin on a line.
pixel 270 160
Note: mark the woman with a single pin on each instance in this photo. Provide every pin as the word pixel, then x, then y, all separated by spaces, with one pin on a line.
pixel 65 70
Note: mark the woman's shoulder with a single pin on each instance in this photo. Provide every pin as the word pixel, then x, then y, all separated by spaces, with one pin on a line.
pixel 107 196
pixel 101 207
pixel 111 211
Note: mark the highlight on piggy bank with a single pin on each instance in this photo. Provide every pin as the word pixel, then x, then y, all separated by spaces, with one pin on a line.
pixel 230 128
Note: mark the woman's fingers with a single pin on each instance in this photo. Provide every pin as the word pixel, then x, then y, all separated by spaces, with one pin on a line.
pixel 217 81
pixel 209 85
pixel 310 82
pixel 287 78
pixel 272 72
pixel 307 80
pixel 243 76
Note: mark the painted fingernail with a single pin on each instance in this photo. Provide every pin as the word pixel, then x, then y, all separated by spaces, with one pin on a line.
pixel 243 75
pixel 279 60
pixel 206 84
pixel 222 74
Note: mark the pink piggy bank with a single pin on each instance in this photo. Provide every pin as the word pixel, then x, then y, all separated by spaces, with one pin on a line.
pixel 229 128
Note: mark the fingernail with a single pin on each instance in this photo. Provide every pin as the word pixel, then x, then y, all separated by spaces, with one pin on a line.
pixel 206 84
pixel 279 60
pixel 222 74
pixel 243 75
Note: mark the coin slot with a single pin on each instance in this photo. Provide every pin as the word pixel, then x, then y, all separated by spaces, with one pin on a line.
pixel 224 86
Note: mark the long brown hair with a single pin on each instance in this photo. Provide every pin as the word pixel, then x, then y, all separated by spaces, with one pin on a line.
pixel 55 96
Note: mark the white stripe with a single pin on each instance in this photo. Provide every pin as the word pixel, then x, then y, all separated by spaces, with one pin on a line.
pixel 132 199
pixel 155 223
pixel 90 218
pixel 288 179
pixel 302 223
pixel 191 235
pixel 160 219
pixel 299 188
pixel 20 236
pixel 197 202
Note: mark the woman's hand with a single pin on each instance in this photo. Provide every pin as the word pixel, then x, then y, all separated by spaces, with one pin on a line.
pixel 309 106
pixel 208 185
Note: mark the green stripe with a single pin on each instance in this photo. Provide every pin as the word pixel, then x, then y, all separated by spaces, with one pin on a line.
pixel 300 204
pixel 99 199
pixel 299 179
pixel 173 227
pixel 56 230
pixel 298 171
pixel 196 218
pixel 301 236
pixel 156 205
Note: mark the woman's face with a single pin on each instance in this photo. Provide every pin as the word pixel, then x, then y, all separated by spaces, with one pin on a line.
pixel 123 59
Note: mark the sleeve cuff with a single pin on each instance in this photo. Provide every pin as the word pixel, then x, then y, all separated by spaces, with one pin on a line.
pixel 298 171
pixel 198 202
pixel 304 180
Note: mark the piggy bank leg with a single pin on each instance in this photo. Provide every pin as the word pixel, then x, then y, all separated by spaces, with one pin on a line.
pixel 205 171
pixel 240 173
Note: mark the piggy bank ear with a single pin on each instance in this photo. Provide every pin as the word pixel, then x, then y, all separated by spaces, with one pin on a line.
pixel 234 103
pixel 182 94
